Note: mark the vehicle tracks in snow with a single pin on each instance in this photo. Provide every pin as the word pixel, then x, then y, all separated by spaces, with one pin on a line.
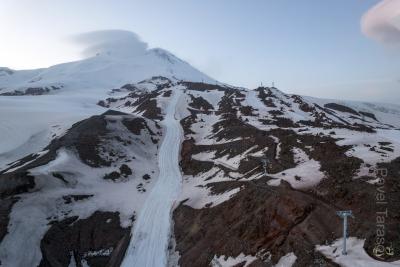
pixel 150 236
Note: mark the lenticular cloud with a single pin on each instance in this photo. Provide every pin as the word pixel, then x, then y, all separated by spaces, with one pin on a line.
pixel 382 22
pixel 111 42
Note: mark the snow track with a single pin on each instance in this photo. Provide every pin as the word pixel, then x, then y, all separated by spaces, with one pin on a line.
pixel 149 242
pixel 254 101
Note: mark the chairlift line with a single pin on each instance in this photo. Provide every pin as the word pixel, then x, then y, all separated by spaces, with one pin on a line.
pixel 265 162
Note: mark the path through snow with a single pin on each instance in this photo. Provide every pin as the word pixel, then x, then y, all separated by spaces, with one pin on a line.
pixel 149 243
pixel 254 101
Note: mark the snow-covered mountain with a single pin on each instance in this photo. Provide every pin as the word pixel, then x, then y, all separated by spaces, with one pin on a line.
pixel 89 169
pixel 69 92
pixel 99 73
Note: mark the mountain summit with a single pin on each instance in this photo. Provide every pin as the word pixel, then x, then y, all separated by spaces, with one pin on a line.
pixel 114 58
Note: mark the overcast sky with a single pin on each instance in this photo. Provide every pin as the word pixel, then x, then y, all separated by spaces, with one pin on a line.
pixel 346 49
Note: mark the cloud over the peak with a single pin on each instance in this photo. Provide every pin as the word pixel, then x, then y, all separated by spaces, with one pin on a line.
pixel 382 22
pixel 111 42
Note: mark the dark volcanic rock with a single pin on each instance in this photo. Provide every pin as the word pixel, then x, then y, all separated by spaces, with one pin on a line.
pixel 304 106
pixel 332 157
pixel 129 87
pixel 190 166
pixel 99 240
pixel 32 91
pixel 266 96
pixel 167 93
pixel 20 181
pixel 385 236
pixel 260 217
pixel 341 108
pixel 200 103
pixel 136 125
pixel 147 104
pixel 279 220
pixel 367 114
pixel 125 170
pixel 203 86
pixel 15 183
pixel 247 110
pixel 5 209
pixel 85 137
pixel 112 176
pixel 71 198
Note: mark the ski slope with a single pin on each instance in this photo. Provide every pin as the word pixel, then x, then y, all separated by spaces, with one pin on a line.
pixel 149 242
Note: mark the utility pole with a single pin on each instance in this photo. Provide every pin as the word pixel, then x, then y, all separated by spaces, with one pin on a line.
pixel 273 84
pixel 265 162
pixel 344 214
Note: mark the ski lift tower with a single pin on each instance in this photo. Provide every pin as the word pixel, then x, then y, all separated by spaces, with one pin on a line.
pixel 344 214
pixel 265 162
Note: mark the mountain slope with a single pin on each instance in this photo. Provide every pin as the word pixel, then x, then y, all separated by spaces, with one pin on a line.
pixel 320 155
pixel 99 73
pixel 69 93
pixel 263 172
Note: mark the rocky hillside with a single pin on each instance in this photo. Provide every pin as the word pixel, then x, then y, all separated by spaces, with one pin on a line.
pixel 76 200
pixel 263 172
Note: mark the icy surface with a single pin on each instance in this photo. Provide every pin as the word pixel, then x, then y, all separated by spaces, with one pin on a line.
pixel 356 255
pixel 287 261
pixel 149 243
pixel 28 123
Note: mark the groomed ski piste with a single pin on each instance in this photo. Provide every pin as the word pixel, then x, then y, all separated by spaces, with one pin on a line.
pixel 150 237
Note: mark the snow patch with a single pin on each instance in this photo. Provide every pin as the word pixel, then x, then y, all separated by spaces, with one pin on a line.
pixel 356 255
pixel 306 174
pixel 286 261
pixel 224 261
